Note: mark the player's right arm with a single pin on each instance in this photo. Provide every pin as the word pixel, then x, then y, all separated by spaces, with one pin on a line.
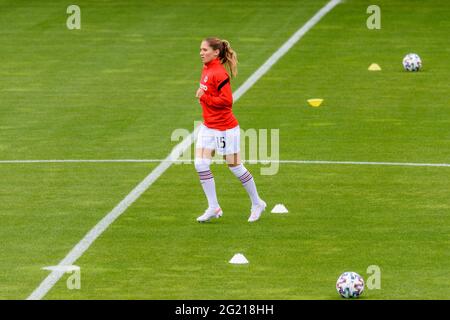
pixel 225 96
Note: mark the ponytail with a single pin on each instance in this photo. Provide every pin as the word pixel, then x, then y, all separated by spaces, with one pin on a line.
pixel 229 58
pixel 227 55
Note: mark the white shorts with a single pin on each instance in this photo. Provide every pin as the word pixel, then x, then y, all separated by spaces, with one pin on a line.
pixel 224 142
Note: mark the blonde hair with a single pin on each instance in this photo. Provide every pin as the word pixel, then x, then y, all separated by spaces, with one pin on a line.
pixel 227 55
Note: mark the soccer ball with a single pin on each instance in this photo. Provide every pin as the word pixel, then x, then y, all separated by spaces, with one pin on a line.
pixel 350 285
pixel 412 62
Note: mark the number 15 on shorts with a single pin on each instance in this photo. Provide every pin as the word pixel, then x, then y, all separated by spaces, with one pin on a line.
pixel 220 142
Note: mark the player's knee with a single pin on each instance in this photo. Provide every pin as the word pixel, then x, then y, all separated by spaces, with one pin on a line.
pixel 202 164
pixel 238 170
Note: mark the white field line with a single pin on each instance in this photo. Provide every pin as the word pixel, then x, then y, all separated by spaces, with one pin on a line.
pixel 363 163
pixel 101 226
pixel 86 242
pixel 284 48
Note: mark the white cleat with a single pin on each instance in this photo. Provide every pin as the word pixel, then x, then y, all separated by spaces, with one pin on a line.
pixel 209 214
pixel 257 211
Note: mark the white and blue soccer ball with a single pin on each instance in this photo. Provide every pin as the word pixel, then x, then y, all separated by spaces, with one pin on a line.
pixel 350 285
pixel 412 62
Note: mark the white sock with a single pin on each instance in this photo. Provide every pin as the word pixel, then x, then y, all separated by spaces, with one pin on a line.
pixel 207 181
pixel 247 181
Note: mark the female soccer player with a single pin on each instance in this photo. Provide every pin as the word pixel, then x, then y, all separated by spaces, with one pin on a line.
pixel 220 130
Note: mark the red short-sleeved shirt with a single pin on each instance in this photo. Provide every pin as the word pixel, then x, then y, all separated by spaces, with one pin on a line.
pixel 217 101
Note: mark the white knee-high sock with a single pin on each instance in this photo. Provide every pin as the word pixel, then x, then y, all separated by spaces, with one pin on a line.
pixel 247 181
pixel 207 181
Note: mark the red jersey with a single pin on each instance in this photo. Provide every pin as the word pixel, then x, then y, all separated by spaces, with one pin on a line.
pixel 217 101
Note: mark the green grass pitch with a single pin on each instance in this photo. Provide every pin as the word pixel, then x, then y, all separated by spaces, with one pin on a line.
pixel 118 88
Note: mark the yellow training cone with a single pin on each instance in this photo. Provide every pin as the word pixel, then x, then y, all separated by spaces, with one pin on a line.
pixel 315 102
pixel 374 67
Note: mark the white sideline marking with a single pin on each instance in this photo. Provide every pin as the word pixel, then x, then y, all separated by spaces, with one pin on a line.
pixel 285 48
pixel 62 268
pixel 85 243
pixel 85 161
pixel 95 232
pixel 372 163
